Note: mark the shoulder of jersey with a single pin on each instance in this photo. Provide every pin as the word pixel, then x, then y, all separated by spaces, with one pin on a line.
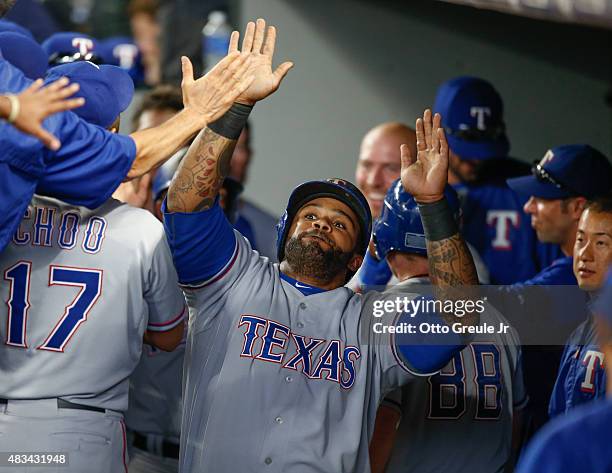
pixel 138 221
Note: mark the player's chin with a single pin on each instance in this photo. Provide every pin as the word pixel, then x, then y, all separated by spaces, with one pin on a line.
pixel 589 281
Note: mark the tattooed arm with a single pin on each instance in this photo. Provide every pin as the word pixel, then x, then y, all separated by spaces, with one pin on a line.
pixel 451 263
pixel 201 173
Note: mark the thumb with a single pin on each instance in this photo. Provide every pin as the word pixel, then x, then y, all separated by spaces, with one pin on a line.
pixel 281 72
pixel 49 140
pixel 187 69
pixel 406 156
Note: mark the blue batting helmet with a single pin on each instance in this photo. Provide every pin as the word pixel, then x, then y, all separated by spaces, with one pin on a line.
pixel 335 188
pixel 399 227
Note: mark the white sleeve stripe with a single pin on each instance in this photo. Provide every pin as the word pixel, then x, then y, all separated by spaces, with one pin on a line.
pixel 164 327
pixel 222 272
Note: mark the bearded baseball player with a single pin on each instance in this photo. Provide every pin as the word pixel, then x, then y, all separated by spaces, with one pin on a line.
pixel 153 418
pixel 281 373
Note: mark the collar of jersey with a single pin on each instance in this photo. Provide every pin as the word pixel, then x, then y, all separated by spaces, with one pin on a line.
pixel 304 288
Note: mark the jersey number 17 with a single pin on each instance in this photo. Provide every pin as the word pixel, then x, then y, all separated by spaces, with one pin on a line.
pixel 89 281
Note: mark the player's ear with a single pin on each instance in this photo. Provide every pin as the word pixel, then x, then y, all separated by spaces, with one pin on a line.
pixel 354 263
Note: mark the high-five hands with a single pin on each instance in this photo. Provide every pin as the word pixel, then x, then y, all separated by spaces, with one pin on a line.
pixel 213 94
pixel 426 175
pixel 244 76
pixel 258 44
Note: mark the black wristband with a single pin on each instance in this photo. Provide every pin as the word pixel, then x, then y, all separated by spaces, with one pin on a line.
pixel 438 220
pixel 231 124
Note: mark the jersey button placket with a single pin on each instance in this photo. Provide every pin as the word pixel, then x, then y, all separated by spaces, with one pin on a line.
pixel 301 307
pixel 268 461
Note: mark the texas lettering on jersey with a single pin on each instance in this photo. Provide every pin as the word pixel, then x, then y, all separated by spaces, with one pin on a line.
pixel 270 341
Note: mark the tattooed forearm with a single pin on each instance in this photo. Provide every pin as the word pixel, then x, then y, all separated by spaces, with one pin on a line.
pixel 201 173
pixel 450 263
pixel 453 274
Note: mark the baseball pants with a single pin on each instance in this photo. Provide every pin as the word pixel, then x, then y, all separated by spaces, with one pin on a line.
pixel 95 442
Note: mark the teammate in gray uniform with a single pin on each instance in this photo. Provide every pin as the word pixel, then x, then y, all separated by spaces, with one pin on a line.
pixel 281 373
pixel 154 415
pixel 83 287
pixel 153 418
pixel 471 402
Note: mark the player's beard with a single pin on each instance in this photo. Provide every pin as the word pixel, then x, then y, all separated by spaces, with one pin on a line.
pixel 5 6
pixel 309 259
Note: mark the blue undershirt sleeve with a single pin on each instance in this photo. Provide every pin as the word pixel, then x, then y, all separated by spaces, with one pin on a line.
pixel 203 244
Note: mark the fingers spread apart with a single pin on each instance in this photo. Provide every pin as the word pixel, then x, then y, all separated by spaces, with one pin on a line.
pixel 260 31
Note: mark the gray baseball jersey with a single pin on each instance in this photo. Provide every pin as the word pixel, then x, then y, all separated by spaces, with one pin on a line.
pixel 155 408
pixel 155 394
pixel 276 380
pixel 80 288
pixel 461 418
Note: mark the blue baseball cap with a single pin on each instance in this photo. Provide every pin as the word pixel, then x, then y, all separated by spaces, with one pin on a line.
pixel 107 90
pixel 473 118
pixel 567 171
pixel 69 47
pixel 24 53
pixel 122 51
pixel 8 26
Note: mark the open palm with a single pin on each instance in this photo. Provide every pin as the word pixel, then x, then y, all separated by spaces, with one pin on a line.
pixel 426 175
pixel 259 45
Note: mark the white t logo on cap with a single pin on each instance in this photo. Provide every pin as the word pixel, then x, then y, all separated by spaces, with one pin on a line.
pixel 84 45
pixel 479 113
pixel 548 157
pixel 126 53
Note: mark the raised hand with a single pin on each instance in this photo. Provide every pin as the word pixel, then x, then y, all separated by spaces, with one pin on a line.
pixel 259 45
pixel 213 94
pixel 426 175
pixel 37 102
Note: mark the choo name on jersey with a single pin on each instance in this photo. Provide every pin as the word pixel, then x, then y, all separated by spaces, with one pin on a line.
pixel 47 226
pixel 267 340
